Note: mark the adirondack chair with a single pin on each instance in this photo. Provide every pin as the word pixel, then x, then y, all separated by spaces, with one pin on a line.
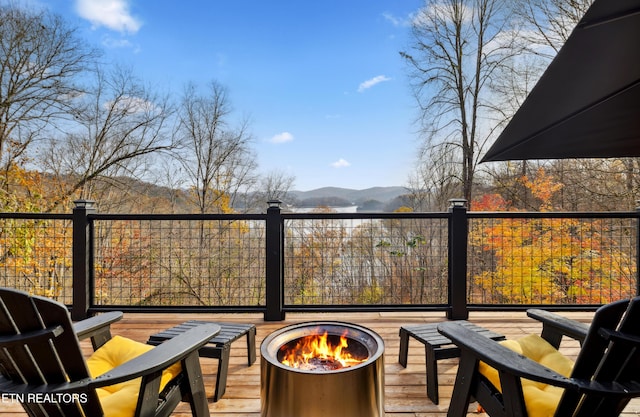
pixel 42 366
pixel 506 383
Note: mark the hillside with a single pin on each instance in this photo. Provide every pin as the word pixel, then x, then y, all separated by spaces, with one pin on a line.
pixel 375 198
pixel 382 194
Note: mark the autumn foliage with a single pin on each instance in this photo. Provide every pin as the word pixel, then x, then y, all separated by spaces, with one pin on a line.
pixel 548 259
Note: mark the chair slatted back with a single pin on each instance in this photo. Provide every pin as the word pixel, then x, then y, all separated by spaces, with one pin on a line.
pixel 610 354
pixel 38 347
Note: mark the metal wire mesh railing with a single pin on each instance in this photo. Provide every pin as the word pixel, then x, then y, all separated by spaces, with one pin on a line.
pixel 455 261
pixel 36 254
pixel 333 260
pixel 552 258
pixel 179 261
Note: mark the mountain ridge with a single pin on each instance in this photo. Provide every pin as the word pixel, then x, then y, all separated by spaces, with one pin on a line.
pixel 338 196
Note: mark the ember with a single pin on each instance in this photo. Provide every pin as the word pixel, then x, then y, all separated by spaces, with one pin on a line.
pixel 322 353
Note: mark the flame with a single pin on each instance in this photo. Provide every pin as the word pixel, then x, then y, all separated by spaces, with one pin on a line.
pixel 316 351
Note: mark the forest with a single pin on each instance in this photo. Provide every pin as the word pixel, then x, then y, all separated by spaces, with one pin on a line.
pixel 513 257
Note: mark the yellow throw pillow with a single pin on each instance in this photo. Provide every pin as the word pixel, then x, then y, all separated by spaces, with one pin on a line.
pixel 541 399
pixel 120 400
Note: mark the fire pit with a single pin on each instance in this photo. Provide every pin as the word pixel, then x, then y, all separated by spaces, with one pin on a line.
pixel 323 368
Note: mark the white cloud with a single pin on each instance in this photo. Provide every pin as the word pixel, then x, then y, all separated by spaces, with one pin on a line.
pixel 371 82
pixel 282 138
pixel 113 14
pixel 340 163
pixel 391 18
pixel 113 43
pixel 398 21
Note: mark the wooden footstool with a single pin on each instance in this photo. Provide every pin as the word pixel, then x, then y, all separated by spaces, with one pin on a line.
pixel 218 347
pixel 436 347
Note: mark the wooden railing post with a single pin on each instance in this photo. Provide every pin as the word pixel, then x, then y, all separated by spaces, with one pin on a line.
pixel 274 263
pixel 82 257
pixel 458 235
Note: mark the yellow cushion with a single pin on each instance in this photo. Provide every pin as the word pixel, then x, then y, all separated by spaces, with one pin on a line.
pixel 120 400
pixel 541 399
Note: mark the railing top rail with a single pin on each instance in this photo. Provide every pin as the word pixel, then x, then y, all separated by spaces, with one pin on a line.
pixel 371 215
pixel 101 216
pixel 368 215
pixel 553 215
pixel 36 216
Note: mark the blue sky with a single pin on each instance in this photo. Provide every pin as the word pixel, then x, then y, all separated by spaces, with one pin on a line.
pixel 321 82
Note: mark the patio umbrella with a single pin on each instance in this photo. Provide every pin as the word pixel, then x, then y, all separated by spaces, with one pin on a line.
pixel 587 102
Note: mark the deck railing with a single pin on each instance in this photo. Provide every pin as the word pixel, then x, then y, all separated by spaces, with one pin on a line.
pixel 454 261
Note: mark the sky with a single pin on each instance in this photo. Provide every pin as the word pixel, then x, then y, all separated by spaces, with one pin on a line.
pixel 322 83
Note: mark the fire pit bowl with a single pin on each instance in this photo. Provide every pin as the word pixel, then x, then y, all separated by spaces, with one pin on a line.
pixel 323 387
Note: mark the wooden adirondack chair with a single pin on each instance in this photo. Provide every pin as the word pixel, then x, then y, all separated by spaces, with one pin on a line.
pixel 604 378
pixel 42 366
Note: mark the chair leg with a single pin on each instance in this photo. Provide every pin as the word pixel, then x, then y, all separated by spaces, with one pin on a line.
pixel 432 373
pixel 404 347
pixel 223 369
pixel 251 346
pixel 462 388
pixel 197 394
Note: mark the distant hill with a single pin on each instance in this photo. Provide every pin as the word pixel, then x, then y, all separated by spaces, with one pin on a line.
pixel 336 196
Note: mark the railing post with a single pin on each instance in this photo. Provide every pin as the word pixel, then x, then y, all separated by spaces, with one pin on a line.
pixel 638 249
pixel 274 263
pixel 458 231
pixel 82 257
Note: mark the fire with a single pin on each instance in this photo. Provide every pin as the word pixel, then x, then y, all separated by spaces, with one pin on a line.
pixel 317 352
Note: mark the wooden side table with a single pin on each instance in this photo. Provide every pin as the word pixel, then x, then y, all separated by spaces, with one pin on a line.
pixel 436 347
pixel 218 347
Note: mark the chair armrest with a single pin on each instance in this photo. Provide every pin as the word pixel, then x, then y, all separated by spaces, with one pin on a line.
pixel 501 358
pixel 555 326
pixel 161 356
pixel 505 360
pixel 98 328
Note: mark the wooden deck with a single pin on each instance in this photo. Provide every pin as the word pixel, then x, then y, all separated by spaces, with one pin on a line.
pixel 405 392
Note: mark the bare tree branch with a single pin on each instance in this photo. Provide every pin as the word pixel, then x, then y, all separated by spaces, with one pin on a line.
pixel 116 124
pixel 215 154
pixel 459 48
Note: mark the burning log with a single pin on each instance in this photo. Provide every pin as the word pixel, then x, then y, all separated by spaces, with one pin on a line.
pixel 321 352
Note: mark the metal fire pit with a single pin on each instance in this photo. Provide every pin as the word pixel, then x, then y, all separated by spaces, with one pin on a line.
pixel 356 391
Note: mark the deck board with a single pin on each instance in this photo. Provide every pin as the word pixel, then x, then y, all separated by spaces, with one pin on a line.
pixel 405 391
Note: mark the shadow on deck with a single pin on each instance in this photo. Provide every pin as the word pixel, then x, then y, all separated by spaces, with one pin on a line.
pixel 405 388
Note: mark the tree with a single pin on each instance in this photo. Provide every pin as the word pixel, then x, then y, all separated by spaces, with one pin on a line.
pixel 215 154
pixel 317 275
pixel 549 260
pixel 545 26
pixel 117 124
pixel 218 162
pixel 458 50
pixel 34 253
pixel 548 23
pixel 433 184
pixel 41 60
pixel 275 185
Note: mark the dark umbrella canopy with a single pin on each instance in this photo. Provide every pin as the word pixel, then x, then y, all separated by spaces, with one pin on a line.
pixel 587 103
